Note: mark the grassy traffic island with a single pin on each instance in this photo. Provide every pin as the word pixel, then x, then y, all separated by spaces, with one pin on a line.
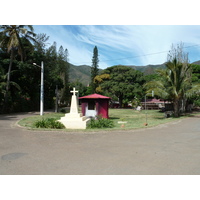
pixel 119 119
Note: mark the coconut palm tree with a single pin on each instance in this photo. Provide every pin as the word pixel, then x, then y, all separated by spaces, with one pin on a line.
pixel 174 84
pixel 3 87
pixel 11 38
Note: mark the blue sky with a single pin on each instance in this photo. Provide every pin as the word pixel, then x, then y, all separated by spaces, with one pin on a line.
pixel 155 25
pixel 123 44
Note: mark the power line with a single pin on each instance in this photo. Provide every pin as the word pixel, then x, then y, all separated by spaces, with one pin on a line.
pixel 132 57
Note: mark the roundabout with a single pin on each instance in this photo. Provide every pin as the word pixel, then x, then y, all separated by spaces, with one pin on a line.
pixel 167 149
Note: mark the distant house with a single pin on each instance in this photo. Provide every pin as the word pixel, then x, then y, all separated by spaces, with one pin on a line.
pixel 156 104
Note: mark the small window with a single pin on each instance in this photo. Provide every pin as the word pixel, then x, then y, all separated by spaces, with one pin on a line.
pixel 91 105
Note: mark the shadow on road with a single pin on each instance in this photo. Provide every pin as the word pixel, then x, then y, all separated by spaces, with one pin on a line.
pixel 12 116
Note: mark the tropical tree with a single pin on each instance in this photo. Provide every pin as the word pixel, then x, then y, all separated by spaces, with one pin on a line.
pixel 196 80
pixel 174 84
pixel 122 82
pixel 12 38
pixel 99 79
pixel 3 87
pixel 195 73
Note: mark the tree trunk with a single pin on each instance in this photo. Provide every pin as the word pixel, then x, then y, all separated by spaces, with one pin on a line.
pixel 184 101
pixel 9 70
pixel 176 108
pixel 8 81
pixel 120 101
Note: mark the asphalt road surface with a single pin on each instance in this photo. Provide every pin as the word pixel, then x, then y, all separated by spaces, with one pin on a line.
pixel 170 149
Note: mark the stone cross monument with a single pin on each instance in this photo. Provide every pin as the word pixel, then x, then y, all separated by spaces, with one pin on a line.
pixel 74 102
pixel 74 119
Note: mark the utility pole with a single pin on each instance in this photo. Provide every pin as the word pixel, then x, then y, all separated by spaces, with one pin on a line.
pixel 42 90
pixel 41 87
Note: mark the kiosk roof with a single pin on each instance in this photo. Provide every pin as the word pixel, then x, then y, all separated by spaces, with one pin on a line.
pixel 94 96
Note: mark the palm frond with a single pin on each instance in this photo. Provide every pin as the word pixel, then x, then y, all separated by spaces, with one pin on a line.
pixel 15 85
pixel 194 90
pixel 158 87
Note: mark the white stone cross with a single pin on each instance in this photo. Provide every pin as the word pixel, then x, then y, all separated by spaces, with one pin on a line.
pixel 74 91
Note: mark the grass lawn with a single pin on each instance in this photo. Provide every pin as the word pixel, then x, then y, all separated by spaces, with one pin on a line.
pixel 135 119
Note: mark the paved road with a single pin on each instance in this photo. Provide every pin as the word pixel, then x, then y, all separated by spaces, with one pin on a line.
pixel 173 148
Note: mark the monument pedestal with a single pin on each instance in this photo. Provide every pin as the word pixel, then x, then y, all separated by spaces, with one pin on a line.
pixel 74 120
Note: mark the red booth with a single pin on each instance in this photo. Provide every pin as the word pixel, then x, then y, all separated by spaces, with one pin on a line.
pixel 94 105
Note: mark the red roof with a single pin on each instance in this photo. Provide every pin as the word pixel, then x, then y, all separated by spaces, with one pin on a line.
pixel 94 96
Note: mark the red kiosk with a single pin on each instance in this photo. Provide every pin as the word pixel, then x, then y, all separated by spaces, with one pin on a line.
pixel 94 105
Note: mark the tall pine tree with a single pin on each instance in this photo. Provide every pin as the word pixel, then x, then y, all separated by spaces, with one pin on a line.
pixel 63 66
pixel 94 69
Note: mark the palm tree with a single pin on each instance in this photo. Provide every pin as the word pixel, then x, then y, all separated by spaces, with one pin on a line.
pixel 11 39
pixel 3 87
pixel 174 84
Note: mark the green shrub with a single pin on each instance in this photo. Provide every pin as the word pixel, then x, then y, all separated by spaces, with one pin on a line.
pixel 48 123
pixel 197 102
pixel 100 123
pixel 63 110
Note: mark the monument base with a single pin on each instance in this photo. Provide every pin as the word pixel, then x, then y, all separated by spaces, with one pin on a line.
pixel 74 121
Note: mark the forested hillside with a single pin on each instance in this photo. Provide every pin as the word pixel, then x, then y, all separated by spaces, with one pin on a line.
pixel 79 73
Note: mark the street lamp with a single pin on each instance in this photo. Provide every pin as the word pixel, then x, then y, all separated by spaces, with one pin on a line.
pixel 41 88
pixel 152 93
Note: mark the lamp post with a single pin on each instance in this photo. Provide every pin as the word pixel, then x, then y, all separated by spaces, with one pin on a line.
pixel 146 104
pixel 41 88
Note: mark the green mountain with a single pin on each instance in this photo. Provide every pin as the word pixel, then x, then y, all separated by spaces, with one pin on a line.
pixel 196 62
pixel 148 69
pixel 81 73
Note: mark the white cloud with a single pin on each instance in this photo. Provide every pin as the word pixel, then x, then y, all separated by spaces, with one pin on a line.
pixel 129 45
